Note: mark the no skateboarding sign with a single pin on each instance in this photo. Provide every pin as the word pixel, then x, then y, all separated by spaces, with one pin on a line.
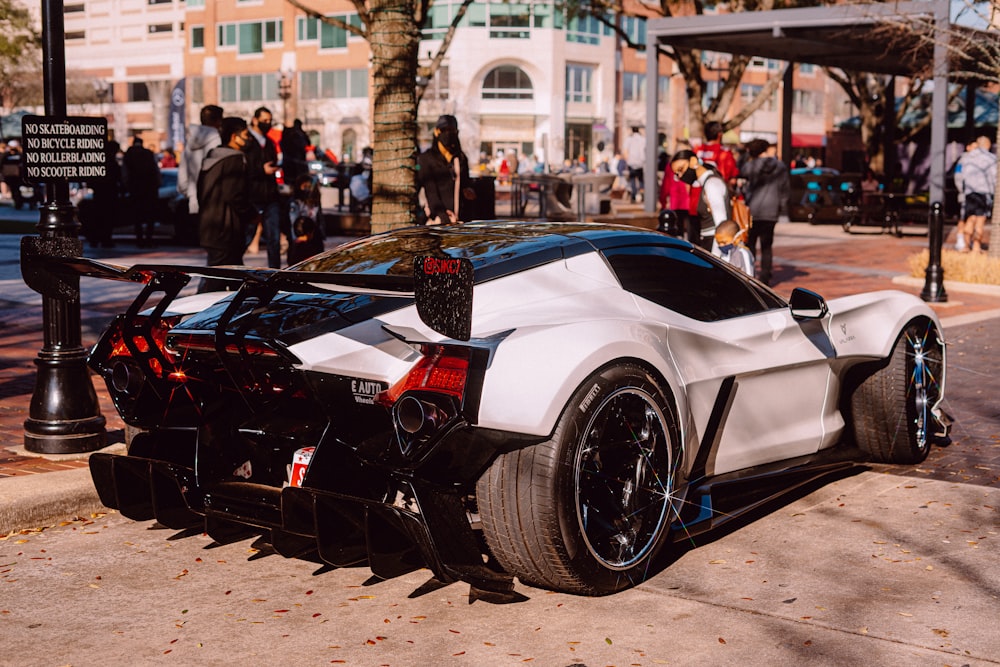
pixel 63 148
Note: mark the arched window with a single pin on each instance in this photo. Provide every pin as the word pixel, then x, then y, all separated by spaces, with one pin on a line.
pixel 348 142
pixel 507 82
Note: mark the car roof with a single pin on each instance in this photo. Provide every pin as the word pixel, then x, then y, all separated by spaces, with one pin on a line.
pixel 495 248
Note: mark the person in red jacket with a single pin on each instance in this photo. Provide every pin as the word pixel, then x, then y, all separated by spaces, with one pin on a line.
pixel 714 155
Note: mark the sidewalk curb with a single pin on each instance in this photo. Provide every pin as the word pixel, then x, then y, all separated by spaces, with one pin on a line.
pixel 951 286
pixel 30 501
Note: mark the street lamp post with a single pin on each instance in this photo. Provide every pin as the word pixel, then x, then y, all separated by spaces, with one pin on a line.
pixel 64 416
pixel 285 93
pixel 101 89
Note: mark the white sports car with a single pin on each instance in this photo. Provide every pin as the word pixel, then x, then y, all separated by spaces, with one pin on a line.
pixel 548 401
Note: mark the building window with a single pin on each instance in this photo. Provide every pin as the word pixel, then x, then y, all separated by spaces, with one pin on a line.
pixel 160 28
pixel 807 68
pixel 579 83
pixel 333 84
pixel 475 16
pixel 437 89
pixel 807 102
pixel 633 87
pixel 306 29
pixel 586 30
pixel 159 2
pixel 77 8
pixel 441 14
pixel 507 82
pixel 310 29
pixel 334 37
pixel 548 16
pixel 196 89
pixel 749 93
pixel 248 87
pixel 249 38
pixel 197 37
pixel 138 91
pixel 195 3
pixel 634 28
pixel 75 34
pixel 510 21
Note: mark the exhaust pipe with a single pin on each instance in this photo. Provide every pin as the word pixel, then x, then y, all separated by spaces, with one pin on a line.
pixel 418 417
pixel 126 378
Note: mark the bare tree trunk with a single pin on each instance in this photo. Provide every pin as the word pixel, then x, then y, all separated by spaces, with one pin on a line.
pixel 394 39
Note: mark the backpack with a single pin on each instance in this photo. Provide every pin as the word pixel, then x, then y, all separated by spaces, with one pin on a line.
pixel 741 214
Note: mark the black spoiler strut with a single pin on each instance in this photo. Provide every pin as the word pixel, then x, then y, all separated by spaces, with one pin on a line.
pixel 441 286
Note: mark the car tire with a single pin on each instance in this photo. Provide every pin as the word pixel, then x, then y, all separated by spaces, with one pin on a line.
pixel 892 408
pixel 587 511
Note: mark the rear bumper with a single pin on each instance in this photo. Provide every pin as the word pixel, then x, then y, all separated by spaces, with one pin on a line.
pixel 422 525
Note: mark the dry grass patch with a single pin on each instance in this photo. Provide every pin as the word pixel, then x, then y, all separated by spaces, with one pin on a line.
pixel 963 267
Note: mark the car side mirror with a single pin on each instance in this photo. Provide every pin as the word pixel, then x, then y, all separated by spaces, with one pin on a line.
pixel 807 305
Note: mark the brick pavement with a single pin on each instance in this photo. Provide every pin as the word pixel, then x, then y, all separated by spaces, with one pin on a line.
pixel 823 259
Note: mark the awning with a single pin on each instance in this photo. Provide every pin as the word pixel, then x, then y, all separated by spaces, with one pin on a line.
pixel 800 140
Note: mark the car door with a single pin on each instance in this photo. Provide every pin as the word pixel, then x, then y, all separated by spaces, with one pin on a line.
pixel 759 383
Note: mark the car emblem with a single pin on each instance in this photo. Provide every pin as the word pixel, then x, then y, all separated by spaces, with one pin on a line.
pixel 843 328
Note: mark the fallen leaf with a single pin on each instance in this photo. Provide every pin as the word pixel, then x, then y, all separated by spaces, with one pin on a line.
pixel 607 640
pixel 721 640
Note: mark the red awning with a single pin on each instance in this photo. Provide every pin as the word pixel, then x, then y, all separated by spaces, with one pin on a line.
pixel 808 140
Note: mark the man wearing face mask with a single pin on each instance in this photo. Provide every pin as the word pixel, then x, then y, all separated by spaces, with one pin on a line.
pixel 443 175
pixel 262 164
pixel 224 198
pixel 713 199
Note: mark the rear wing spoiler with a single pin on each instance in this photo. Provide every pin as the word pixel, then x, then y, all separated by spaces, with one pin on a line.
pixel 440 286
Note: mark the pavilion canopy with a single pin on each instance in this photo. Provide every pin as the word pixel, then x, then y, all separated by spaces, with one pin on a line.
pixel 862 37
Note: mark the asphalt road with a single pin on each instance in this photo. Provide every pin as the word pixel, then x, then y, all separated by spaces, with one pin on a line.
pixel 868 569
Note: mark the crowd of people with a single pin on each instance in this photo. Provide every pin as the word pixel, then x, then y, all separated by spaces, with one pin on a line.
pixel 700 185
pixel 228 174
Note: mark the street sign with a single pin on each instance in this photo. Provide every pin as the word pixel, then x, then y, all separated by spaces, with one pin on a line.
pixel 68 148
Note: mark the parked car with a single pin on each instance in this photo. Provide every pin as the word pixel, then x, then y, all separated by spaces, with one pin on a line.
pixel 555 402
pixel 819 194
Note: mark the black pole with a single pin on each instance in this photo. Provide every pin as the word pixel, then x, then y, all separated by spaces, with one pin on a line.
pixel 64 416
pixel 934 278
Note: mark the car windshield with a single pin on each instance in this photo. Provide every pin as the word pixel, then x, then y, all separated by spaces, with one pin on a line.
pixel 494 251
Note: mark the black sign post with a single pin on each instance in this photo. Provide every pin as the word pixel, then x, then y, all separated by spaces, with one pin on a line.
pixel 64 416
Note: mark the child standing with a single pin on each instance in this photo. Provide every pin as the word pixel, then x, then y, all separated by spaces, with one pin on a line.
pixel 305 212
pixel 728 236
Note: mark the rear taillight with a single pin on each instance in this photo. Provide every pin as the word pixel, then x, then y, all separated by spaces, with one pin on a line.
pixel 441 370
pixel 138 342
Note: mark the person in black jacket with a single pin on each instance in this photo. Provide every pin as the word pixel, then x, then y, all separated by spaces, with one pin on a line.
pixel 262 165
pixel 443 175
pixel 141 174
pixel 224 198
pixel 105 206
pixel 767 190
